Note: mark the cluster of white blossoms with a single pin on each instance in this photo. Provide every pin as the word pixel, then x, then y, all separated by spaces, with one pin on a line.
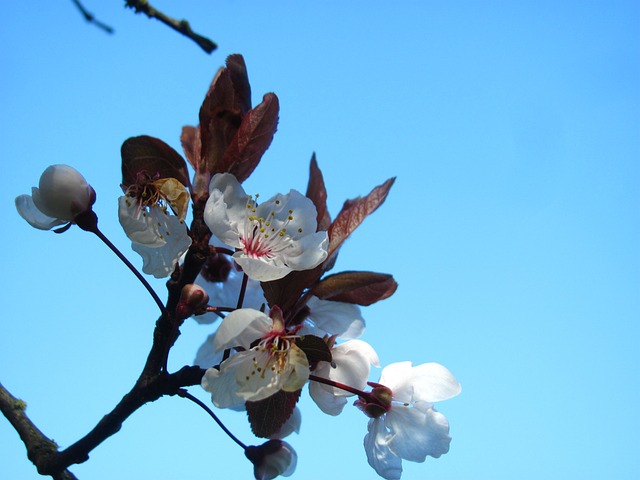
pixel 262 267
pixel 255 354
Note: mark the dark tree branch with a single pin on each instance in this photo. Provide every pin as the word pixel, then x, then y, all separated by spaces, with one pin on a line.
pixel 153 383
pixel 44 453
pixel 40 449
pixel 91 19
pixel 181 26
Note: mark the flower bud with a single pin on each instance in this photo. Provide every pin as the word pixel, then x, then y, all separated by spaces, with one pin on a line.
pixel 271 459
pixel 192 298
pixel 377 402
pixel 63 193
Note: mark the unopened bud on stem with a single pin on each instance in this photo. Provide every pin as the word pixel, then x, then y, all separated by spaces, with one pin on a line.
pixel 192 298
pixel 271 459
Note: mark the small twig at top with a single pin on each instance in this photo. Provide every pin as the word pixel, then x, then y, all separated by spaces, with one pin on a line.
pixel 181 26
pixel 88 16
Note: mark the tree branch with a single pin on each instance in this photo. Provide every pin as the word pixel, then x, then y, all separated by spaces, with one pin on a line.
pixel 91 19
pixel 40 449
pixel 181 26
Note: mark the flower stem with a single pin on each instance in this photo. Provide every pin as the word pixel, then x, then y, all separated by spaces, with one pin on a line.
pixel 339 385
pixel 243 289
pixel 184 394
pixel 133 269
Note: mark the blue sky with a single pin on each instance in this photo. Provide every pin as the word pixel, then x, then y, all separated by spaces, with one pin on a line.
pixel 514 131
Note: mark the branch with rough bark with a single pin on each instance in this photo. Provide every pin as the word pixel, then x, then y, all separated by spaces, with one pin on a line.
pixel 154 382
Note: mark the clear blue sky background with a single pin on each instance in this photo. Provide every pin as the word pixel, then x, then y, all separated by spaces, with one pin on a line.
pixel 513 228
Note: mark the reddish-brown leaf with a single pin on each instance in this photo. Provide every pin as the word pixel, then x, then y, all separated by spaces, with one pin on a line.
pixel 353 213
pixel 252 139
pixel 362 288
pixel 226 102
pixel 154 157
pixel 286 291
pixel 240 81
pixel 317 192
pixel 267 416
pixel 190 140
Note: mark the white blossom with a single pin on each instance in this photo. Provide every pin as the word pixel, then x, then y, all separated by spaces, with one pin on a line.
pixel 61 195
pixel 160 237
pixel 274 364
pixel 341 319
pixel 406 426
pixel 351 365
pixel 273 238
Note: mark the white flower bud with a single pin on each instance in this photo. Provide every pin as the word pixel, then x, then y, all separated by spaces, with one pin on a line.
pixel 271 459
pixel 62 195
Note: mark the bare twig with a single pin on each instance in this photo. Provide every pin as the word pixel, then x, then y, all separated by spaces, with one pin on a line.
pixel 181 26
pixel 91 19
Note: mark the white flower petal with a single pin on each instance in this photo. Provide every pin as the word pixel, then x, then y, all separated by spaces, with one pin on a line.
pixel 428 382
pixel 161 261
pixel 260 269
pixel 336 318
pixel 433 383
pixel 307 252
pixel 207 356
pixel 139 225
pixel 397 377
pixel 222 384
pixel 299 370
pixel 263 374
pixel 28 210
pixel 241 328
pixel 299 222
pixel 325 399
pixel 417 431
pixel 352 361
pixel 225 211
pixel 380 457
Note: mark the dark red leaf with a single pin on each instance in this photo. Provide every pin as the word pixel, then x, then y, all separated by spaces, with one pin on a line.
pixel 353 213
pixel 315 348
pixel 226 102
pixel 317 192
pixel 190 140
pixel 240 81
pixel 286 291
pixel 252 139
pixel 362 288
pixel 153 156
pixel 267 416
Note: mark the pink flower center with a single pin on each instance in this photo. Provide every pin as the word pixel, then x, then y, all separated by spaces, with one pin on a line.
pixel 255 246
